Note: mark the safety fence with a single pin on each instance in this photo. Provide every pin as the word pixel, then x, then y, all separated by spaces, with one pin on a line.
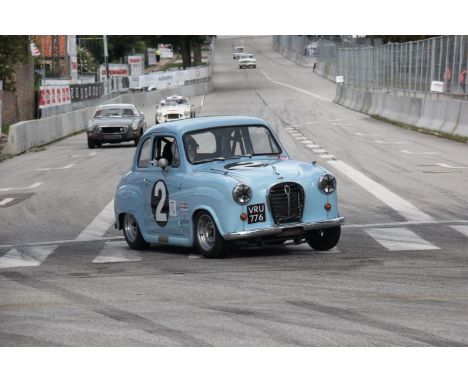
pixel 433 65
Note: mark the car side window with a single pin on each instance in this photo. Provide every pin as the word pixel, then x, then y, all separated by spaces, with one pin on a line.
pixel 166 147
pixel 145 154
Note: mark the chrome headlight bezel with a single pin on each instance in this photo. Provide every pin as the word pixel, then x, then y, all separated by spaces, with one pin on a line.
pixel 242 193
pixel 90 126
pixel 134 125
pixel 327 183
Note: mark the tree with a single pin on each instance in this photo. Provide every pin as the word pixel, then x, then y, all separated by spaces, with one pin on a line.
pixel 13 50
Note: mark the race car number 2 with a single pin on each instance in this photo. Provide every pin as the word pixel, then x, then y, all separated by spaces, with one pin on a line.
pixel 160 203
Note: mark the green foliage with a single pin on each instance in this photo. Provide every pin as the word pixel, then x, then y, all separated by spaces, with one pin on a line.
pixel 13 50
pixel 86 61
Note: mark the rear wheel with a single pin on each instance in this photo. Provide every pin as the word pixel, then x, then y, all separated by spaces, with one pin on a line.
pixel 133 234
pixel 207 238
pixel 324 239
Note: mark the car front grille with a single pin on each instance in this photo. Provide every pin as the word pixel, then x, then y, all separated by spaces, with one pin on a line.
pixel 173 116
pixel 113 129
pixel 286 202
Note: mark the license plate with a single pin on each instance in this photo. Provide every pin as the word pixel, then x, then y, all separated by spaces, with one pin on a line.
pixel 256 213
pixel 109 136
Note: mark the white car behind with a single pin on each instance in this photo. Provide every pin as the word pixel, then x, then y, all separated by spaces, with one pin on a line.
pixel 247 60
pixel 174 108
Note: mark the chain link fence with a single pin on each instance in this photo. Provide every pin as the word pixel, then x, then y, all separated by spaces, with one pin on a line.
pixel 412 66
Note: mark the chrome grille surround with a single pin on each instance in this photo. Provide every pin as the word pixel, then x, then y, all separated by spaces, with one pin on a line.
pixel 286 202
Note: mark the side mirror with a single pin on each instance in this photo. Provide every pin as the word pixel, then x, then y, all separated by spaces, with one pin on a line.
pixel 163 163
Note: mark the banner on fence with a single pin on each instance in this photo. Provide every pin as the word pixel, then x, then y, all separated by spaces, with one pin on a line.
pixel 166 51
pixel 54 96
pixel 136 64
pixel 83 92
pixel 115 70
pixel 164 80
pixel 1 103
pixel 437 86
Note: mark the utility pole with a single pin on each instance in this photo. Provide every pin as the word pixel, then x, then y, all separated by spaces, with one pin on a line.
pixel 55 57
pixel 106 60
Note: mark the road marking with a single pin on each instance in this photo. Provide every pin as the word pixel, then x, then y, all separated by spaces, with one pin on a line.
pixel 194 257
pixel 448 166
pixel 327 156
pixel 390 143
pixel 304 123
pixel 307 142
pixel 300 138
pixel 116 252
pixel 342 124
pixel 35 185
pixel 99 225
pixel 299 90
pixel 6 201
pixel 336 120
pixel 420 153
pixel 27 257
pixel 319 151
pixel 56 168
pixel 83 155
pixel 313 146
pixel 403 224
pixel 367 134
pixel 289 128
pixel 400 205
pixel 461 228
pixel 203 101
pixel 400 239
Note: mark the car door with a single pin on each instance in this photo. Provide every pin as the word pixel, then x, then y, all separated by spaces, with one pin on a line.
pixel 163 187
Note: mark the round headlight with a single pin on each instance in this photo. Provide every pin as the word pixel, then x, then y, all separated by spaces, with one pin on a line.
pixel 242 193
pixel 90 126
pixel 327 183
pixel 134 125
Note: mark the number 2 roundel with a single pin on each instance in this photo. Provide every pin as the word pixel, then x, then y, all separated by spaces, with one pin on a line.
pixel 160 203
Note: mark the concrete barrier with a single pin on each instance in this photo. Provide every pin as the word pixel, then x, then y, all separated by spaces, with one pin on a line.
pixel 25 135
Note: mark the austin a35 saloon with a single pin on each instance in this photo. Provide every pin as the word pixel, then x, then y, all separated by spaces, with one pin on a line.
pixel 219 183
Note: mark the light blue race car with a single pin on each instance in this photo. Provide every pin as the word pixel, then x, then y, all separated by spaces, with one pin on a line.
pixel 220 183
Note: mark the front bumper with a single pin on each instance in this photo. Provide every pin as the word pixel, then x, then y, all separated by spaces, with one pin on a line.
pixel 129 135
pixel 283 229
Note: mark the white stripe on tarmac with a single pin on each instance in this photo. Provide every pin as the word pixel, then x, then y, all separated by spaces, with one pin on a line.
pixel 22 188
pixel 461 228
pixel 448 166
pixel 55 168
pixel 6 201
pixel 116 252
pixel 400 239
pixel 313 146
pixel 319 151
pixel 327 156
pixel 300 90
pixel 26 257
pixel 400 205
pixel 307 142
pixel 99 225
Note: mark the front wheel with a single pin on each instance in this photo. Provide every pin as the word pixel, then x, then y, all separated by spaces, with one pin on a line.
pixel 324 239
pixel 207 238
pixel 91 144
pixel 133 234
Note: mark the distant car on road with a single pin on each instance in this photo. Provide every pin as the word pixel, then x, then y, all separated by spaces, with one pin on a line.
pixel 247 60
pixel 238 50
pixel 174 108
pixel 114 123
pixel 223 182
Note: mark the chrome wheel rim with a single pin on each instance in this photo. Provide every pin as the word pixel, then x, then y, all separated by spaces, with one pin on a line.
pixel 206 233
pixel 130 228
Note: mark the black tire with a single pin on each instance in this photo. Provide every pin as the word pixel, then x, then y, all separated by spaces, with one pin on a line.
pixel 133 234
pixel 207 238
pixel 324 239
pixel 98 144
pixel 91 144
pixel 135 142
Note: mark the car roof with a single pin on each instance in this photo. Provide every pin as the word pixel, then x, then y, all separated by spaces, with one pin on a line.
pixel 111 105
pixel 182 126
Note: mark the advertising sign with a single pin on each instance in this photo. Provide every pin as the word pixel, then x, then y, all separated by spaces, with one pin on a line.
pixel 437 86
pixel 54 96
pixel 1 104
pixel 151 56
pixel 136 64
pixel 339 79
pixel 166 50
pixel 83 92
pixel 115 70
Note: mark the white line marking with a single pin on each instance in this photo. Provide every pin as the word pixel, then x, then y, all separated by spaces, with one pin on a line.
pixel 367 134
pixel 400 239
pixel 307 142
pixel 27 257
pixel 203 101
pixel 99 225
pixel 400 205
pixel 389 143
pixel 461 228
pixel 300 90
pixel 327 156
pixel 22 188
pixel 6 201
pixel 312 146
pixel 342 124
pixel 106 238
pixel 420 153
pixel 319 151
pixel 83 155
pixel 289 128
pixel 294 134
pixel 194 257
pixel 55 168
pixel 336 120
pixel 300 138
pixel 116 252
pixel 448 166
pixel 403 224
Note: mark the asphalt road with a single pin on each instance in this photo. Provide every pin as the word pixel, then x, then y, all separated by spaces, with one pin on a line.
pixel 398 276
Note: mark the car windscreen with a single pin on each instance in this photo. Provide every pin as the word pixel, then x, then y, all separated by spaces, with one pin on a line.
pixel 176 102
pixel 114 112
pixel 231 142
